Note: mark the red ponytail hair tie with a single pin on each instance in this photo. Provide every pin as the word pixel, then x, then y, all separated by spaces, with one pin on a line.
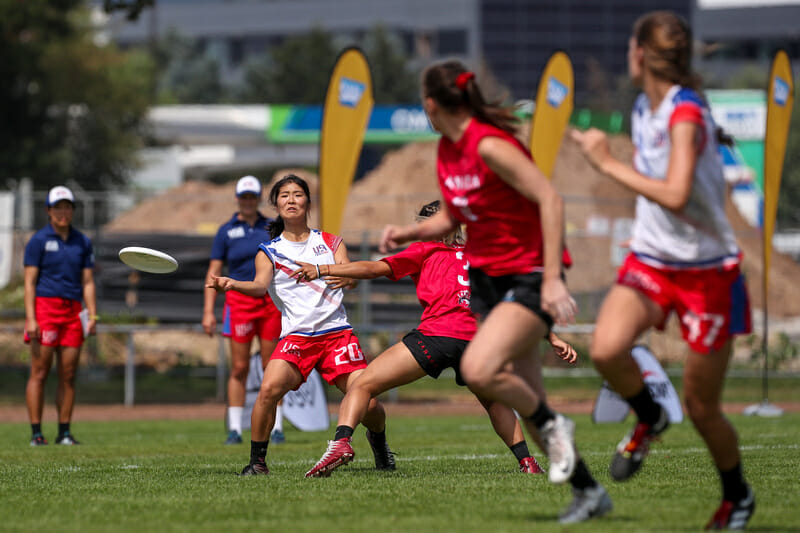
pixel 463 78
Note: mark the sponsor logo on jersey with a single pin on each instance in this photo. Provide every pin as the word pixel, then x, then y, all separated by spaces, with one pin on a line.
pixel 463 298
pixel 320 249
pixel 350 92
pixel 235 233
pixel 781 93
pixel 463 183
pixel 51 246
pixel 556 92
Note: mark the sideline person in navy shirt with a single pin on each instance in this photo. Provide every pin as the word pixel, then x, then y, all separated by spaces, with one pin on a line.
pixel 236 244
pixel 58 275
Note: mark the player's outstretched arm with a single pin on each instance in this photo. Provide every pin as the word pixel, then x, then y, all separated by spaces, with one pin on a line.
pixel 357 270
pixel 256 288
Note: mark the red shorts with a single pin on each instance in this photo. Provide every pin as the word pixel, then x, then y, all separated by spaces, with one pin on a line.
pixel 712 304
pixel 333 354
pixel 59 323
pixel 244 317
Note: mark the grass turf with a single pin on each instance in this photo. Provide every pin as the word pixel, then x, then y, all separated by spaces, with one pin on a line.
pixel 453 474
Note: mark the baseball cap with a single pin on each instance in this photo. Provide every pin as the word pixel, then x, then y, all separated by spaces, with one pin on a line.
pixel 248 184
pixel 58 193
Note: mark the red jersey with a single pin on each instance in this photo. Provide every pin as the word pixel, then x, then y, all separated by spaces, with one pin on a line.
pixel 440 273
pixel 503 227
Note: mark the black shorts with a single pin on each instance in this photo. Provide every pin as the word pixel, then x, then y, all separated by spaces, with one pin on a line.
pixel 488 291
pixel 434 354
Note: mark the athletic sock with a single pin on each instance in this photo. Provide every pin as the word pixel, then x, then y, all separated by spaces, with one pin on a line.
pixel 36 429
pixel 582 478
pixel 343 432
pixel 258 451
pixel 542 415
pixel 235 419
pixel 378 440
pixel 646 408
pixel 733 486
pixel 278 420
pixel 63 429
pixel 520 450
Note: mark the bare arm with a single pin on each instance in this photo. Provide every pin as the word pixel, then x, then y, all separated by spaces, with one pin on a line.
pixel 342 259
pixel 672 192
pixel 256 288
pixel 90 297
pixel 434 227
pixel 209 321
pixel 356 270
pixel 31 326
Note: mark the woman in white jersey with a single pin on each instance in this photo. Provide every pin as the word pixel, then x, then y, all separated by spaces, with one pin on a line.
pixel 684 257
pixel 315 332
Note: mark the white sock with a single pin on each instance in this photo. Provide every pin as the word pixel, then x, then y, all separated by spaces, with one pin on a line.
pixel 278 420
pixel 235 419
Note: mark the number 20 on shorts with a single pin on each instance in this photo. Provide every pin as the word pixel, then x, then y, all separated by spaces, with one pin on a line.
pixel 350 353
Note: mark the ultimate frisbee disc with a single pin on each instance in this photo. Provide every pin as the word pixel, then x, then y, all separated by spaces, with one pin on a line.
pixel 148 260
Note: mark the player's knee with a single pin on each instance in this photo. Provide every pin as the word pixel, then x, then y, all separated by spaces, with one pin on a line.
pixel 476 378
pixel 39 374
pixel 270 394
pixel 701 413
pixel 603 351
pixel 239 372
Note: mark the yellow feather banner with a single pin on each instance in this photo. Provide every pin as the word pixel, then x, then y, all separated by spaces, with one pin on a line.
pixel 555 100
pixel 348 105
pixel 780 100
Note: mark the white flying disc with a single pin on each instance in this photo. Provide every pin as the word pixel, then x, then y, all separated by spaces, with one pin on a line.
pixel 148 260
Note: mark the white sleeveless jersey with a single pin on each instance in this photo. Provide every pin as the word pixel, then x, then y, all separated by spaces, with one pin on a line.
pixel 308 307
pixel 700 236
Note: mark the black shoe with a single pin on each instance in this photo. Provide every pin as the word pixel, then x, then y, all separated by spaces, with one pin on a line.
pixel 384 457
pixel 255 469
pixel 66 439
pixel 632 450
pixel 734 515
pixel 38 440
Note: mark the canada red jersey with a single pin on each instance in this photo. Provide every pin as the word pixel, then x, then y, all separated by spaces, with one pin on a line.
pixel 440 273
pixel 503 227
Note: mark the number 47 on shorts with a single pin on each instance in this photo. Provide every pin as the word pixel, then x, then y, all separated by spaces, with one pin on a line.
pixel 702 329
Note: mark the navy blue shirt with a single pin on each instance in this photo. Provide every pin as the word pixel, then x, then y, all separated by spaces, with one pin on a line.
pixel 237 243
pixel 60 262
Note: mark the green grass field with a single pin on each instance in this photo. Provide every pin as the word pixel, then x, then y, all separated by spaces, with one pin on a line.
pixel 453 475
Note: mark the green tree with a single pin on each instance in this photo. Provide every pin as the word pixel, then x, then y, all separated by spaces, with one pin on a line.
pixel 186 75
pixel 393 81
pixel 296 72
pixel 72 110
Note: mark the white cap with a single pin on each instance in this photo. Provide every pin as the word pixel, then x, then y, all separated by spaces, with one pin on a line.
pixel 248 184
pixel 59 193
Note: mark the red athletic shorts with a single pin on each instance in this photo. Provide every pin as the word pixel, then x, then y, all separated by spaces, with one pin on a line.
pixel 333 354
pixel 244 317
pixel 712 304
pixel 59 322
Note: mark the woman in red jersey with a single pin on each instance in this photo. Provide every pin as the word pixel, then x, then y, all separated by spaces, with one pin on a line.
pixel 438 270
pixel 684 257
pixel 514 221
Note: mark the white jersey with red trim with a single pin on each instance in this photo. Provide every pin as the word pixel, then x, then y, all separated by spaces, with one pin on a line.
pixel 699 236
pixel 307 307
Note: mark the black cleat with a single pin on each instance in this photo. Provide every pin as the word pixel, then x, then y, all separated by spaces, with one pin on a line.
pixel 255 469
pixel 632 450
pixel 66 439
pixel 734 515
pixel 39 440
pixel 384 457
